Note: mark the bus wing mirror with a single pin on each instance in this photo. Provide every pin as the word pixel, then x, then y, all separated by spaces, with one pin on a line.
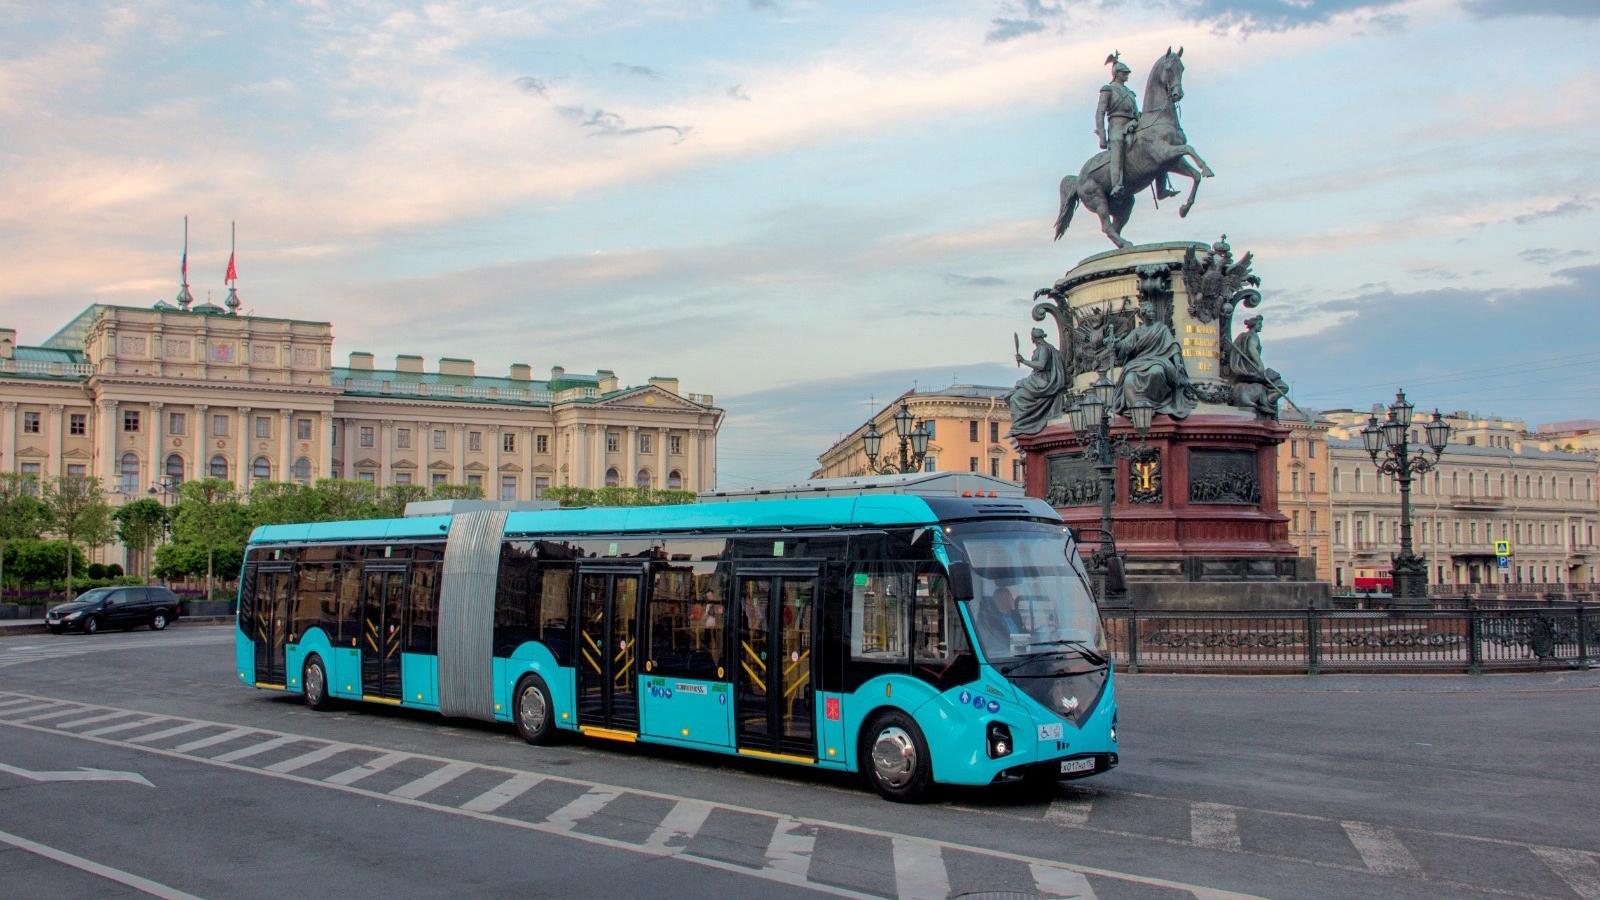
pixel 1116 575
pixel 961 580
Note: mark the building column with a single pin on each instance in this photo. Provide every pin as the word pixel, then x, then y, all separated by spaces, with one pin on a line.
pixel 631 467
pixel 598 475
pixel 325 453
pixel 557 456
pixel 527 463
pixel 711 460
pixel 661 456
pixel 8 435
pixel 107 436
pixel 241 473
pixel 154 453
pixel 286 446
pixel 386 452
pixel 692 479
pixel 54 466
pixel 461 454
pixel 199 458
pixel 493 492
pixel 424 449
pixel 347 450
pixel 580 454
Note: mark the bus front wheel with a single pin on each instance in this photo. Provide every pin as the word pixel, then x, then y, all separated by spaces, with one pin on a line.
pixel 894 758
pixel 315 681
pixel 533 712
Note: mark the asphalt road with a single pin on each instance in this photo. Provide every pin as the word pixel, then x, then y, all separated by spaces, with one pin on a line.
pixel 134 765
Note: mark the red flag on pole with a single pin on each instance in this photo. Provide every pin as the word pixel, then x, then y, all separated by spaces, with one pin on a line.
pixel 233 274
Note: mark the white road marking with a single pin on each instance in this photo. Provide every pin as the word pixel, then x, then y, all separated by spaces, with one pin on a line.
pixel 437 778
pixel 125 726
pixel 103 717
pixel 1071 813
pixel 789 848
pixel 1578 869
pixel 1057 884
pixel 169 732
pixel 255 749
pixel 919 872
pixel 15 701
pixel 138 883
pixel 305 759
pixel 83 773
pixel 213 740
pixel 680 826
pixel 25 709
pixel 502 793
pixel 69 711
pixel 1381 849
pixel 582 808
pixel 353 775
pixel 1214 825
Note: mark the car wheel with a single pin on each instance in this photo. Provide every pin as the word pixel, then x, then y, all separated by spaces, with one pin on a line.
pixel 315 681
pixel 91 625
pixel 54 629
pixel 534 712
pixel 158 622
pixel 894 758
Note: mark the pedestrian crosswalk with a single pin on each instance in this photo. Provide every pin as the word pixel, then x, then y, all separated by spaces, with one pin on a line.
pixel 829 856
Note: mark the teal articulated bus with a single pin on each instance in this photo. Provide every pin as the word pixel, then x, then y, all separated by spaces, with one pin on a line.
pixel 913 639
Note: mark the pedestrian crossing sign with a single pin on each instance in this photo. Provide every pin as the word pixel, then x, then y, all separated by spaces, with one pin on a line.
pixel 1502 549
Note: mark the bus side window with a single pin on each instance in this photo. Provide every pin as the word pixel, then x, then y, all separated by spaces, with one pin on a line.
pixel 424 608
pixel 513 597
pixel 879 607
pixel 348 603
pixel 552 602
pixel 940 651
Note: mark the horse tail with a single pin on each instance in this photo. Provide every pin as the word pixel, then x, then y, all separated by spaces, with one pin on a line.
pixel 1069 202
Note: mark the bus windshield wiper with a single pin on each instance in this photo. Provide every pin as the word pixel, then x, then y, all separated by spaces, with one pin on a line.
pixel 1082 647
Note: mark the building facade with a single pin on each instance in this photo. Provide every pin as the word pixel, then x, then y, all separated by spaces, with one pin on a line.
pixel 971 433
pixel 147 398
pixel 1494 482
pixel 1303 489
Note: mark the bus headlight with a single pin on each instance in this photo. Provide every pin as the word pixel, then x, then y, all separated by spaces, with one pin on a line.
pixel 1113 727
pixel 999 736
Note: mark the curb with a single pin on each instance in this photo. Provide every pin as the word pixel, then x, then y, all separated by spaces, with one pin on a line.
pixel 37 626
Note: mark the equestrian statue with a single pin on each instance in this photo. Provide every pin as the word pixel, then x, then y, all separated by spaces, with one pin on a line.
pixel 1137 150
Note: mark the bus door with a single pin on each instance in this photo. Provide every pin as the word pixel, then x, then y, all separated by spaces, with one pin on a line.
pixel 382 605
pixel 274 584
pixel 775 692
pixel 608 652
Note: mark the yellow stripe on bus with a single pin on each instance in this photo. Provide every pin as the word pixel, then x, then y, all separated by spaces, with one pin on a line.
pixel 371 699
pixel 780 757
pixel 610 734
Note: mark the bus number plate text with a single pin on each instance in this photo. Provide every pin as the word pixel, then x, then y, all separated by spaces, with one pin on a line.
pixel 1077 765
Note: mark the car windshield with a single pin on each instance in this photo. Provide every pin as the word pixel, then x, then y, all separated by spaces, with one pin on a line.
pixel 91 595
pixel 1029 596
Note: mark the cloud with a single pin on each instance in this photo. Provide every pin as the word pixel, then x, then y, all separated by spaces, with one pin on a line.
pixel 533 85
pixel 737 92
pixel 763 5
pixel 979 281
pixel 1275 15
pixel 602 123
pixel 1002 30
pixel 1549 256
pixel 637 71
pixel 1564 208
pixel 1568 9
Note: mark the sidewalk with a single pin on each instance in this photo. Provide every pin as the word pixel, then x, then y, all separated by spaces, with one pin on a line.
pixel 10 627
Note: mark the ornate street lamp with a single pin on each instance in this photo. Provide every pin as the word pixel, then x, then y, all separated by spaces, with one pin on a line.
pixel 914 437
pixel 1390 446
pixel 1090 414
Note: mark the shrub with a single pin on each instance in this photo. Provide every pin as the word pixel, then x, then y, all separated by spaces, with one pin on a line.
pixel 96 571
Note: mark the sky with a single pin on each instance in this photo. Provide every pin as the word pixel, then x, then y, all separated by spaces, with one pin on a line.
pixel 804 208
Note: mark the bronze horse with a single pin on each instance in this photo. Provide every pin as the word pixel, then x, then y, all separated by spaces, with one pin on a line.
pixel 1157 146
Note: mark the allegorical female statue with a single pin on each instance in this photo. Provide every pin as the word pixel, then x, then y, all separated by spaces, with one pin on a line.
pixel 1152 367
pixel 1248 369
pixel 1037 397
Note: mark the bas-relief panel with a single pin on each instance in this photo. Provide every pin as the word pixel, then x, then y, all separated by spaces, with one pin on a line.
pixel 175 348
pixel 132 345
pixel 305 357
pixel 265 354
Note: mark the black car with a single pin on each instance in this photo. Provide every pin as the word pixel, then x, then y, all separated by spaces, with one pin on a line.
pixel 115 607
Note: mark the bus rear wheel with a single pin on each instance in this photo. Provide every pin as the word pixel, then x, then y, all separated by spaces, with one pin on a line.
pixel 894 758
pixel 315 681
pixel 534 712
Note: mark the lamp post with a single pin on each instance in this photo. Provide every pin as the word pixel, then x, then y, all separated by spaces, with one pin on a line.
pixel 1091 426
pixel 914 438
pixel 167 487
pixel 1389 444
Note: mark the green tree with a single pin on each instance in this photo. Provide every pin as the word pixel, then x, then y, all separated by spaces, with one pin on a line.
pixel 22 515
pixel 139 525
pixel 347 499
pixel 212 520
pixel 284 502
pixel 32 561
pixel 617 496
pixel 457 492
pixel 392 500
pixel 78 511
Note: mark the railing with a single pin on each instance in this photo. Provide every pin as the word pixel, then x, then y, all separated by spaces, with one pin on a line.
pixel 39 367
pixel 447 392
pixel 1472 639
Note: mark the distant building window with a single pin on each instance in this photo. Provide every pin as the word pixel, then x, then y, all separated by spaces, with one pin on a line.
pixel 972 432
pixel 475 481
pixel 1294 449
pixel 1313 520
pixel 612 478
pixel 30 471
pixel 402 478
pixel 437 479
pixel 1294 482
pixel 1311 482
pixel 475 441
pixel 644 443
pixel 366 436
pixel 994 432
pixel 611 442
pixel 675 480
pixel 675 444
pixel 78 424
pixel 1311 449
pixel 539 485
pixel 302 471
pixel 930 464
pixel 508 487
pixel 1016 470
pixel 219 467
pixel 541 443
pixel 1294 521
pixel 508 442
pixel 174 471
pixel 1335 479
pixel 366 475
pixel 302 429
pixel 438 439
pixel 333 435
pixel 30 423
pixel 263 426
pixel 402 438
pixel 130 420
pixel 129 474
pixel 219 426
pixel 77 470
pixel 642 478
pixel 176 423
pixel 994 466
pixel 261 470
pixel 972 464
pixel 930 424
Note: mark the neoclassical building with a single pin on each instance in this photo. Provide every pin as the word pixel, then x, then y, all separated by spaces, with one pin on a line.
pixel 146 398
pixel 971 433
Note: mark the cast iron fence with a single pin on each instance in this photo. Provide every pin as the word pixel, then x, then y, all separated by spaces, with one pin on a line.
pixel 1474 638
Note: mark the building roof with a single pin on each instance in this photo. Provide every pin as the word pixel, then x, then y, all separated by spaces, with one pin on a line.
pixel 1527 451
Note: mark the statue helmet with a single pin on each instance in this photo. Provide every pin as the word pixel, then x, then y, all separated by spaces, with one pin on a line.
pixel 1037 333
pixel 1254 321
pixel 1116 63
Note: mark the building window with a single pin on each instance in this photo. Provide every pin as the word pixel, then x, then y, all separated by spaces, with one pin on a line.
pixel 366 475
pixel 219 467
pixel 1016 470
pixel 302 471
pixel 539 485
pixel 1311 482
pixel 972 464
pixel 128 472
pixel 366 436
pixel 972 431
pixel 219 426
pixel 1336 479
pixel 402 438
pixel 994 466
pixel 1294 449
pixel 130 420
pixel 261 470
pixel 541 443
pixel 1294 521
pixel 1358 480
pixel 1294 482
pixel 263 426
pixel 611 442
pixel 175 423
pixel 612 478
pixel 77 470
pixel 508 487
pixel 508 441
pixel 30 423
pixel 402 478
pixel 930 464
pixel 77 424
pixel 674 481
pixel 302 429
pixel 475 481
pixel 644 443
pixel 675 444
pixel 642 478
pixel 30 473
pixel 930 423
pixel 994 432
pixel 1313 521
pixel 174 471
pixel 333 435
pixel 475 441
pixel 438 439
pixel 1311 449
pixel 437 479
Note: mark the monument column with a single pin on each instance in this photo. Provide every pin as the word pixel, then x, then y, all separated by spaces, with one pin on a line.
pixel 324 437
pixel 199 456
pixel 8 435
pixel 385 453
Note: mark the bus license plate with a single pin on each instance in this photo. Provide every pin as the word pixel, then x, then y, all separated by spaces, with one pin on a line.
pixel 1069 766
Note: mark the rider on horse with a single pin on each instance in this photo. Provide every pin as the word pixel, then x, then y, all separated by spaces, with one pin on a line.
pixel 1115 120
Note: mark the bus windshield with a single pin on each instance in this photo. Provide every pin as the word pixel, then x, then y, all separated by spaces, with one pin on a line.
pixel 1028 595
